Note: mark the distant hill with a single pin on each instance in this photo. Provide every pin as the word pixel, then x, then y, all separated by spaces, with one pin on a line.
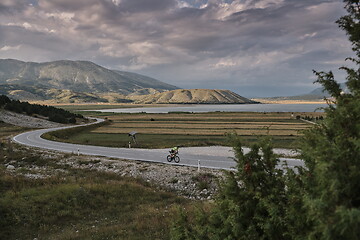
pixel 143 96
pixel 193 96
pixel 314 95
pixel 77 76
pixel 321 91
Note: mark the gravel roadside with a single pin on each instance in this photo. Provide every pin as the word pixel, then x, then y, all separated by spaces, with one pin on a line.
pixel 189 182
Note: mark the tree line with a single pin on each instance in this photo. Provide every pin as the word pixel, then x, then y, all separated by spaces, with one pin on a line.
pixel 318 201
pixel 52 113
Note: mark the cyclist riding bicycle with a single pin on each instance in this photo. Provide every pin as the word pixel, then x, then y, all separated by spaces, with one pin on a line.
pixel 173 156
pixel 174 151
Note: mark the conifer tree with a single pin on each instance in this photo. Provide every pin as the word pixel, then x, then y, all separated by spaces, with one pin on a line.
pixel 251 203
pixel 321 201
pixel 331 150
pixel 253 199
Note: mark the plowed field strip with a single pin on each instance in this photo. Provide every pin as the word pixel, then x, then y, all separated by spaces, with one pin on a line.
pixel 197 118
pixel 203 126
pixel 191 131
pixel 212 123
pixel 202 117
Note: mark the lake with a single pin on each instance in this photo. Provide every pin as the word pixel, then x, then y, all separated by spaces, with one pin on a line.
pixel 198 108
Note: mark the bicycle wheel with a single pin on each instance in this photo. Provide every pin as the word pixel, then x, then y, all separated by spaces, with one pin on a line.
pixel 177 159
pixel 169 158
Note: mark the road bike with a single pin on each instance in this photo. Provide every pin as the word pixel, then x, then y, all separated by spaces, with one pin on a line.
pixel 173 156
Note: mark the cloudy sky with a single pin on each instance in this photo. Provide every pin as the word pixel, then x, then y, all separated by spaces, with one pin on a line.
pixel 253 47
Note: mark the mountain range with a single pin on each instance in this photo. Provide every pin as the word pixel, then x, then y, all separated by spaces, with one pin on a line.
pixel 78 76
pixel 83 81
pixel 315 95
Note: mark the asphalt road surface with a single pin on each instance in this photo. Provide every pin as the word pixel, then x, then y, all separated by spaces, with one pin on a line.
pixel 209 157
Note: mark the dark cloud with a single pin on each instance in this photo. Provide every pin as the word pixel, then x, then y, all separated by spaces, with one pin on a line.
pixel 67 5
pixel 12 6
pixel 38 41
pixel 146 5
pixel 183 42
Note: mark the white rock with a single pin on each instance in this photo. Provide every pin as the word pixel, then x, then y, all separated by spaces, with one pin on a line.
pixel 10 167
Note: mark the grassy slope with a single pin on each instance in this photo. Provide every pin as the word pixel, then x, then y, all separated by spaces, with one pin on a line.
pixel 93 206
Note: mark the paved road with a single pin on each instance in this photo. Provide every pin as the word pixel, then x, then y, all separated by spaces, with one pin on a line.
pixel 209 157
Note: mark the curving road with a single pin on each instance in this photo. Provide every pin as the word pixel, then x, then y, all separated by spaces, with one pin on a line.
pixel 209 157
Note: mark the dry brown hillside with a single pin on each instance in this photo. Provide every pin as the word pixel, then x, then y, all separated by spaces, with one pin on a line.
pixel 205 96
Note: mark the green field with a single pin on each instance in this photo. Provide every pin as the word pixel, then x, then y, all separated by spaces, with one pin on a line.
pixel 193 129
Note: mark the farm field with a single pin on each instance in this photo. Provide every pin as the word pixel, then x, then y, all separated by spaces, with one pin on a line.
pixel 195 129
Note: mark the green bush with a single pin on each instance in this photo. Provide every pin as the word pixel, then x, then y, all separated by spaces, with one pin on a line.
pixel 4 100
pixel 58 118
pixel 203 180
